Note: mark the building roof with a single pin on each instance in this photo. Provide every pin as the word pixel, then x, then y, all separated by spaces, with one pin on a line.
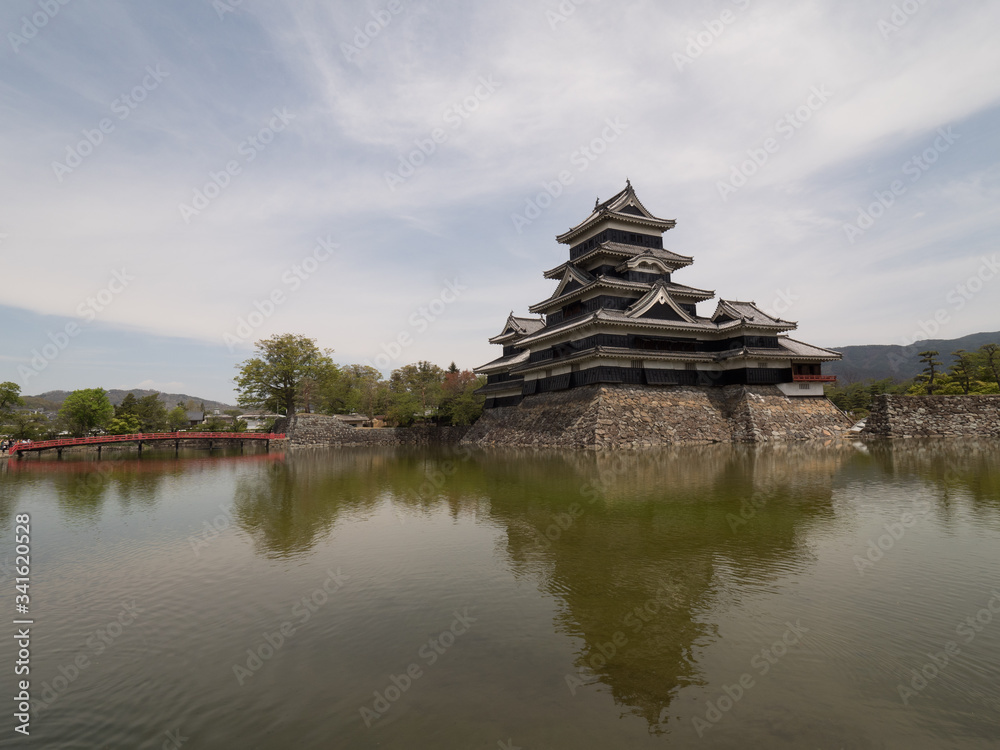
pixel 502 363
pixel 559 298
pixel 658 295
pixel 623 206
pixel 516 327
pixel 621 250
pixel 746 311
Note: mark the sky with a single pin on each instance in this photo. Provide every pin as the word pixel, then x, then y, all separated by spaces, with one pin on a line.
pixel 182 179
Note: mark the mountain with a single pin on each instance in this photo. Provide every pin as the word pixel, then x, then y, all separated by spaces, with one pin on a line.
pixel 879 361
pixel 53 399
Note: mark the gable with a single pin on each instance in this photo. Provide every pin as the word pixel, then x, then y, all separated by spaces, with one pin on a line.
pixel 661 311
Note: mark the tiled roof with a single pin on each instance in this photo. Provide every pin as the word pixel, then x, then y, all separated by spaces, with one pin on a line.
pixel 502 362
pixel 615 208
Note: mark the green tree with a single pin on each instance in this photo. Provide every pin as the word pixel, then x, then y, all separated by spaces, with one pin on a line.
pixel 423 381
pixel 963 370
pixel 272 380
pixel 26 425
pixel 357 389
pixel 929 372
pixel 86 410
pixel 10 396
pixel 991 361
pixel 127 406
pixel 127 424
pixel 152 413
pixel 177 418
pixel 459 403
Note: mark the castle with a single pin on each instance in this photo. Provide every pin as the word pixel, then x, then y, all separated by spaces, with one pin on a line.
pixel 619 327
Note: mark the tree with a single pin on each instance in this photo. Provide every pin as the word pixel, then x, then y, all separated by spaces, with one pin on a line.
pixel 963 370
pixel 991 356
pixel 26 425
pixel 177 418
pixel 459 404
pixel 127 424
pixel 358 388
pixel 152 413
pixel 86 410
pixel 928 375
pixel 272 380
pixel 127 406
pixel 10 396
pixel 423 380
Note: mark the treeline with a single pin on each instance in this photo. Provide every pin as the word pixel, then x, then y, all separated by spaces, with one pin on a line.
pixel 89 410
pixel 968 373
pixel 290 373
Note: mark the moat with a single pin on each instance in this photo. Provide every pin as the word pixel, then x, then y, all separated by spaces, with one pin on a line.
pixel 789 595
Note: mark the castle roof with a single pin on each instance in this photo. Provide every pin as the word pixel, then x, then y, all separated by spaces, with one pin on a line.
pixel 516 328
pixel 623 206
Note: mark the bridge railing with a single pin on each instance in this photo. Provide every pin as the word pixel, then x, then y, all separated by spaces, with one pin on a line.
pixel 141 437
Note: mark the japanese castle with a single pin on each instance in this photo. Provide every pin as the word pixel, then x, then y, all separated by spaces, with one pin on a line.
pixel 618 317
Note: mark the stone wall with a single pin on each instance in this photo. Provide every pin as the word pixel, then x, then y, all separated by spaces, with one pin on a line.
pixel 637 416
pixel 934 416
pixel 323 431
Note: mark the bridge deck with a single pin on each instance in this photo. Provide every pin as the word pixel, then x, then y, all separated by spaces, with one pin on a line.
pixel 141 437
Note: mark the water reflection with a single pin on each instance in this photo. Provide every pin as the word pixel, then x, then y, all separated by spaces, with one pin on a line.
pixel 629 543
pixel 82 484
pixel 641 551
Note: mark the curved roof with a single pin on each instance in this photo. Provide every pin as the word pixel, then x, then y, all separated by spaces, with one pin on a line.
pixel 623 206
pixel 516 328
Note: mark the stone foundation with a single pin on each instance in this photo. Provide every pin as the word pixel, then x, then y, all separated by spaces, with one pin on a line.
pixel 604 417
pixel 323 431
pixel 933 416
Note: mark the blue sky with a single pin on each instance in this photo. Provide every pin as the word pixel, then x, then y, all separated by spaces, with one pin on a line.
pixel 182 179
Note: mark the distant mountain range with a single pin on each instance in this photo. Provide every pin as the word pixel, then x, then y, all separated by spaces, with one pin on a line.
pixel 879 361
pixel 52 400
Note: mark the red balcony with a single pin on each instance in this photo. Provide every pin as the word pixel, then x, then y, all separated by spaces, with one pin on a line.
pixel 814 378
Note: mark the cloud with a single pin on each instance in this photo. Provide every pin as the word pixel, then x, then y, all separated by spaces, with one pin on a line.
pixel 555 84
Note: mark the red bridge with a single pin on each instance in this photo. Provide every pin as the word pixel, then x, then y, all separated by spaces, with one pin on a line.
pixel 141 438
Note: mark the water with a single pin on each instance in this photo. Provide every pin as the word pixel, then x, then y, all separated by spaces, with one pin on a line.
pixel 718 597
